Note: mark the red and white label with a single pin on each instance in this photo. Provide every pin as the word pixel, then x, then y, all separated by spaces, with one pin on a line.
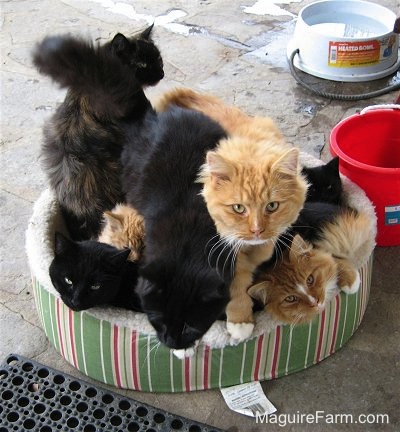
pixel 354 54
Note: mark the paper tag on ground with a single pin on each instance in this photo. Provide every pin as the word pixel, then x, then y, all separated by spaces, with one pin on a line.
pixel 248 399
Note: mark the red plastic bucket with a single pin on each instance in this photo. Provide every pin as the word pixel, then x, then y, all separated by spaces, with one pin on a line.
pixel 368 146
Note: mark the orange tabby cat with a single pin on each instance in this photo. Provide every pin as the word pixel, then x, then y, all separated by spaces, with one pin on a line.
pixel 232 119
pixel 296 288
pixel 124 228
pixel 253 190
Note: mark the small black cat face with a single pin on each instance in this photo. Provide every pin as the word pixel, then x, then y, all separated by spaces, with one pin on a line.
pixel 181 314
pixel 86 273
pixel 140 54
pixel 325 183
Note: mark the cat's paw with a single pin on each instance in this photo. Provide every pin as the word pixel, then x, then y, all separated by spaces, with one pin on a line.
pixel 186 352
pixel 354 287
pixel 240 331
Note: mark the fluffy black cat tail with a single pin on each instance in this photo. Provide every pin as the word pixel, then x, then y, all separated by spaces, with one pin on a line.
pixel 94 72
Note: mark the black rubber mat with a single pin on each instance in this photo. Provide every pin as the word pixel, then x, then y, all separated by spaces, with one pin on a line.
pixel 35 397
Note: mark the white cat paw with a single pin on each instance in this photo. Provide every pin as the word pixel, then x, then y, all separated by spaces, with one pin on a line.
pixel 353 288
pixel 240 331
pixel 186 352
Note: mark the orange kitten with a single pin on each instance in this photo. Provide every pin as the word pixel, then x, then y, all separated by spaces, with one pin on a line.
pixel 253 190
pixel 296 288
pixel 124 228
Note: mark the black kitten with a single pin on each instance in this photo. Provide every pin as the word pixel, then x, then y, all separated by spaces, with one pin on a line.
pixel 325 182
pixel 84 138
pixel 88 273
pixel 180 289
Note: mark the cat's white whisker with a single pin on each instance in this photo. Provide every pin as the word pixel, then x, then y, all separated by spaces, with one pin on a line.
pixel 149 352
pixel 157 347
pixel 285 241
pixel 211 239
pixel 233 263
pixel 214 249
pixel 232 242
pixel 230 257
pixel 237 248
pixel 279 253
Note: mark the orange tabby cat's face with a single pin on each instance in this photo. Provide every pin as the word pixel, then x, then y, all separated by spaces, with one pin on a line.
pixel 297 288
pixel 124 228
pixel 252 197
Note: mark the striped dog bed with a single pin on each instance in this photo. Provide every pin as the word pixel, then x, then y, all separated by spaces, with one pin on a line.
pixel 120 347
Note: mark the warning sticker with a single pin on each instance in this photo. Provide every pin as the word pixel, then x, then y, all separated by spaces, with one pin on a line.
pixel 353 54
pixel 392 215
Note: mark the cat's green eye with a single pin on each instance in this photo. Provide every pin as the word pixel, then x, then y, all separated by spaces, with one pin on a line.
pixel 272 206
pixel 68 281
pixel 239 208
pixel 95 287
pixel 310 280
pixel 291 298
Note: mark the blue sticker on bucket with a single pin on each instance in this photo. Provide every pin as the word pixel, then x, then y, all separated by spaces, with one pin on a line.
pixel 392 215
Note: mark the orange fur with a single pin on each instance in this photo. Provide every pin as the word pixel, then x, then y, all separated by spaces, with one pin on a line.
pixel 348 236
pixel 232 119
pixel 124 228
pixel 338 250
pixel 253 170
pixel 296 289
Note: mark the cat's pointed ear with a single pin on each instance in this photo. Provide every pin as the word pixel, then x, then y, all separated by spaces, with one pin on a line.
pixel 218 168
pixel 120 258
pixel 114 220
pixel 62 244
pixel 147 32
pixel 259 292
pixel 288 163
pixel 120 43
pixel 299 248
pixel 333 165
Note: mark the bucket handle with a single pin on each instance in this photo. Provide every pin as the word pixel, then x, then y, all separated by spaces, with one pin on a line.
pixel 381 106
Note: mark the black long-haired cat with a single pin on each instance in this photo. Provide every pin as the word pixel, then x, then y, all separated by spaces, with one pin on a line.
pixel 83 140
pixel 325 182
pixel 88 273
pixel 180 288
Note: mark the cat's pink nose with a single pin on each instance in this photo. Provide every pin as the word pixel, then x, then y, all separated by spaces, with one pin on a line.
pixel 257 231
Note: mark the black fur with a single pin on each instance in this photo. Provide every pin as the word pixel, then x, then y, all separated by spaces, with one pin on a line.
pixel 88 274
pixel 142 54
pixel 180 290
pixel 325 183
pixel 84 139
pixel 312 218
